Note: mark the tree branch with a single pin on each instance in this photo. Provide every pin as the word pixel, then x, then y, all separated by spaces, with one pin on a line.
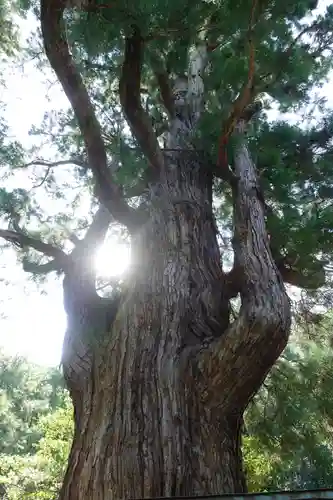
pixel 136 190
pixel 163 81
pixel 312 280
pixel 245 97
pixel 51 164
pixel 23 240
pixel 195 84
pixel 130 99
pixel 287 53
pixel 98 228
pixel 257 337
pixel 57 51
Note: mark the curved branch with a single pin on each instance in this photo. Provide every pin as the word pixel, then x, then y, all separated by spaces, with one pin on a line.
pixel 98 228
pixel 130 99
pixel 57 51
pixel 239 361
pixel 22 240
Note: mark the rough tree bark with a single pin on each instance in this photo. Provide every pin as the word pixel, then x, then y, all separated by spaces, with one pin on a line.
pixel 160 410
pixel 160 377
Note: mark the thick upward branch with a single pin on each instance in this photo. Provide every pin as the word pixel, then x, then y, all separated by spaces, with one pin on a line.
pixel 130 98
pixel 196 87
pixel 85 249
pixel 57 51
pixel 238 363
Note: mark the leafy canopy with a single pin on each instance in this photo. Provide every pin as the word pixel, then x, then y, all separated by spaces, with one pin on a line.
pixel 292 47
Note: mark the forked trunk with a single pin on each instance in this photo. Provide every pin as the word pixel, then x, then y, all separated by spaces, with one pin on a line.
pixel 159 386
pixel 159 413
pixel 142 428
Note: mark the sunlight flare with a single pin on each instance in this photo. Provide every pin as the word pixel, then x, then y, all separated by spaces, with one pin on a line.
pixel 112 259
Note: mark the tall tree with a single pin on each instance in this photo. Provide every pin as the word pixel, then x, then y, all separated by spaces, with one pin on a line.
pixel 159 373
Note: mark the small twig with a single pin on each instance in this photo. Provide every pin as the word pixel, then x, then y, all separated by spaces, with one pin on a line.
pixel 35 186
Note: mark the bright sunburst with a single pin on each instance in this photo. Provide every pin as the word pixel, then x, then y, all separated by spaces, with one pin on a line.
pixel 112 259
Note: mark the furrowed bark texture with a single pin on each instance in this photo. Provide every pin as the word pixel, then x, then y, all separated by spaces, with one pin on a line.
pixel 142 428
pixel 240 361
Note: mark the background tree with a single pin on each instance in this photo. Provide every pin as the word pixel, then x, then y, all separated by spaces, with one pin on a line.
pixel 158 373
pixel 288 441
pixel 36 429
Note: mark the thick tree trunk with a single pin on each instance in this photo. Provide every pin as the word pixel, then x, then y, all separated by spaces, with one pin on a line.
pixel 142 428
pixel 159 412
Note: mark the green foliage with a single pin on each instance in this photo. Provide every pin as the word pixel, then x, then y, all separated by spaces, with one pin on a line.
pixel 54 447
pixel 8 30
pixel 288 443
pixel 294 161
pixel 36 429
pixel 26 393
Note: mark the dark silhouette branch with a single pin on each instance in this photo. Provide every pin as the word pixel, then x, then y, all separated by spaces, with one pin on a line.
pixel 59 163
pixel 311 280
pixel 23 240
pixel 57 51
pixel 130 98
pixel 136 190
pixel 97 230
